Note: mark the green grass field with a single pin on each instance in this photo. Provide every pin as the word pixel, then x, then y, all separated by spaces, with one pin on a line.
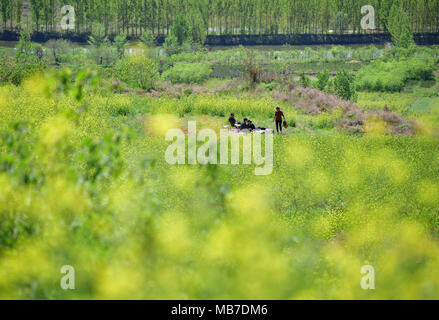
pixel 85 183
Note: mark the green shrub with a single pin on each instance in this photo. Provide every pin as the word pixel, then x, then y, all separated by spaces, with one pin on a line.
pixel 172 46
pixel 119 42
pixel 419 69
pixel 292 122
pixel 14 70
pixel 270 86
pixel 103 55
pixel 322 80
pixel 138 71
pixel 344 86
pixel 28 60
pixel 59 51
pixel 305 81
pixel 322 121
pixel 147 38
pixel 392 75
pixel 188 73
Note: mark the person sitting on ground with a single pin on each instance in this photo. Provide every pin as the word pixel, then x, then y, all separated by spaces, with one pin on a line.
pixel 232 120
pixel 244 124
pixel 251 126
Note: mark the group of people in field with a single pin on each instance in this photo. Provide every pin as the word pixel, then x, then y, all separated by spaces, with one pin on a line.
pixel 247 124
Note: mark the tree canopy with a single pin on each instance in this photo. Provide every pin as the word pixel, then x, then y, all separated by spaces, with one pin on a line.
pixel 224 17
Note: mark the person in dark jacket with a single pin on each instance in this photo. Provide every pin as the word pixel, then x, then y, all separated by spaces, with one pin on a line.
pixel 251 126
pixel 244 124
pixel 232 120
pixel 278 115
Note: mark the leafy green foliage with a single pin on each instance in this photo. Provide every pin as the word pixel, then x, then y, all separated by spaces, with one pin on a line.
pixel 181 29
pixel 65 82
pixel 137 71
pixel 188 73
pixel 27 61
pixel 399 26
pixel 250 68
pixel 340 22
pixel 102 157
pixel 59 51
pixel 344 86
pixel 392 75
pixel 322 80
pixel 220 16
pixel 98 36
pixel 305 81
pixel 16 157
pixel 120 42
pixel 197 26
pixel 147 38
pixel 172 46
pixel 101 51
pixel 24 47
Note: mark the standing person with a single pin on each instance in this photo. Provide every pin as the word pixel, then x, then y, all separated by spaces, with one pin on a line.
pixel 278 115
pixel 232 120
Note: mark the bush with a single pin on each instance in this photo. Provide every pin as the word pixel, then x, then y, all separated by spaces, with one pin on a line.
pixel 119 42
pixel 322 80
pixel 98 36
pixel 15 70
pixel 322 121
pixel 251 70
pixel 419 69
pixel 27 61
pixel 103 55
pixel 344 86
pixel 392 75
pixel 138 71
pixel 147 38
pixel 171 45
pixel 188 73
pixel 59 51
pixel 305 81
pixel 292 122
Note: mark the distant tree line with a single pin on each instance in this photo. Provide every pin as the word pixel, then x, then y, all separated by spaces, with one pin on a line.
pixel 217 17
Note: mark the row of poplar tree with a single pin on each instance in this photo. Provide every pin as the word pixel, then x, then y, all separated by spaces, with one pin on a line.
pixel 224 17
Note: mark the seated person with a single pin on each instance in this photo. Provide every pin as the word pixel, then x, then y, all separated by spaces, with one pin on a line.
pixel 250 125
pixel 244 124
pixel 232 120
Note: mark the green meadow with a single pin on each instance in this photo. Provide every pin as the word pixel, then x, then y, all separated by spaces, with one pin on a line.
pixel 84 181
